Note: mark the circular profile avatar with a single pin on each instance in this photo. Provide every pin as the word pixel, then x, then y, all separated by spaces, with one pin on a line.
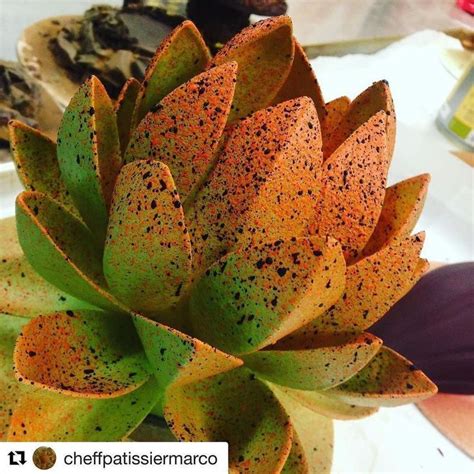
pixel 44 458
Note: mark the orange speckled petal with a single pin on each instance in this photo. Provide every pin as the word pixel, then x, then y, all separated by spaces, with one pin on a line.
pixel 321 403
pixel 184 129
pixel 317 368
pixel 388 380
pixel 401 209
pixel 91 354
pixel 264 52
pixel 374 99
pixel 335 111
pixel 48 416
pixel 313 438
pixel 253 297
pixel 10 389
pixel 238 408
pixel 181 56
pixel 265 184
pixel 89 153
pixel 177 358
pixel 147 256
pixel 126 109
pixel 354 187
pixel 301 82
pixel 61 249
pixel 373 286
pixel 34 155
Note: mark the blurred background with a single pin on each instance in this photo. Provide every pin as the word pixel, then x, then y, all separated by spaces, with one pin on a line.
pixel 315 21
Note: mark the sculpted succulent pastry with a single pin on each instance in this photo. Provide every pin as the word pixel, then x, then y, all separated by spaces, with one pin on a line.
pixel 213 250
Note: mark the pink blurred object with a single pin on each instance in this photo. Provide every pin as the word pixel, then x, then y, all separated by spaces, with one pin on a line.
pixel 453 415
pixel 466 5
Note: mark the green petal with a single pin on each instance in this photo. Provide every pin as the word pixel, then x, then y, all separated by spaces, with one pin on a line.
pixel 265 184
pixel 61 249
pixel 255 296
pixel 401 209
pixel 373 286
pixel 301 81
pixel 89 152
pixel 315 369
pixel 354 187
pixel 36 163
pixel 375 98
pixel 181 56
pixel 22 291
pixel 95 354
pixel 237 408
pixel 10 388
pixel 177 358
pixel 388 380
pixel 185 129
pixel 48 416
pixel 126 110
pixel 264 53
pixel 147 257
pixel 313 438
pixel 328 406
pixel 153 429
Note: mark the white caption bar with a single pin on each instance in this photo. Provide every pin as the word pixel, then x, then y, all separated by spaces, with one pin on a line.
pixel 71 458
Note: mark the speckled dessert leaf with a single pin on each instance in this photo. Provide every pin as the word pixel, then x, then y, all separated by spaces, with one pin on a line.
pixel 9 245
pixel 238 408
pixel 373 286
pixel 421 268
pixel 47 416
pixel 255 296
pixel 147 256
pixel 264 52
pixel 126 109
pixel 61 249
pixel 375 98
pixel 22 291
pixel 331 407
pixel 316 368
pixel 10 388
pixel 181 56
pixel 177 358
pixel 265 184
pixel 89 152
pixel 335 111
pixel 35 159
pixel 184 129
pixel 313 438
pixel 388 380
pixel 401 209
pixel 94 354
pixel 301 81
pixel 353 187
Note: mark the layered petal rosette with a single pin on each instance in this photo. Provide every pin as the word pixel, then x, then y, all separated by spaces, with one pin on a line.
pixel 212 249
